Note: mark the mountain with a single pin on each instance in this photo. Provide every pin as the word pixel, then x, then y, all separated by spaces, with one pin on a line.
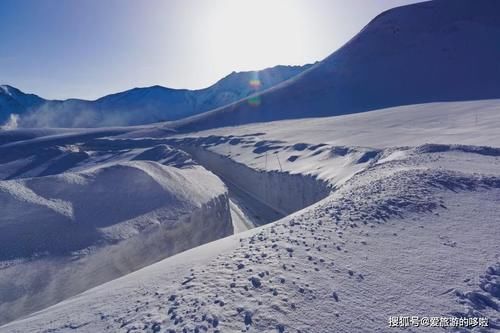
pixel 13 100
pixel 138 105
pixel 360 222
pixel 443 50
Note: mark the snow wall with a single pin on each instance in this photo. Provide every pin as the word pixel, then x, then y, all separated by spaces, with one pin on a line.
pixel 284 192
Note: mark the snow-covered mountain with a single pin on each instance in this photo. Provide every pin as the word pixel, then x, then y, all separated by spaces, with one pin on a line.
pixel 442 50
pixel 138 105
pixel 348 222
pixel 14 102
pixel 17 101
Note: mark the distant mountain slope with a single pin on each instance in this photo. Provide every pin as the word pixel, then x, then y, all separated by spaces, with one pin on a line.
pixel 138 105
pixel 443 50
pixel 13 100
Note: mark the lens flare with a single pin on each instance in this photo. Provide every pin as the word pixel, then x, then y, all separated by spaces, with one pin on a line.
pixel 255 84
pixel 254 101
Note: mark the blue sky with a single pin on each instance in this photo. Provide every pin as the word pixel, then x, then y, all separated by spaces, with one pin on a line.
pixel 87 49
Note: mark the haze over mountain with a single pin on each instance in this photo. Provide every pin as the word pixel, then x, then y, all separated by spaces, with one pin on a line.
pixel 138 105
pixel 444 50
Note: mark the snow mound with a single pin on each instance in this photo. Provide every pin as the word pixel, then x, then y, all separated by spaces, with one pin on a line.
pixel 70 201
pixel 100 223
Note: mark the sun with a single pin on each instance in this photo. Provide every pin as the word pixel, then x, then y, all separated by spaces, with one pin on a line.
pixel 254 34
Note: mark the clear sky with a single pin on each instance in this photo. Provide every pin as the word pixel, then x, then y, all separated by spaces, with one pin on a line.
pixel 90 48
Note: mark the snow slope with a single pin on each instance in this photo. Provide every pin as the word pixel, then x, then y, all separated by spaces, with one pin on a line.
pixel 444 50
pixel 138 105
pixel 471 122
pixel 410 227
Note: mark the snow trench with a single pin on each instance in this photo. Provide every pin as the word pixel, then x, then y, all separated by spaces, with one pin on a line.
pixel 284 192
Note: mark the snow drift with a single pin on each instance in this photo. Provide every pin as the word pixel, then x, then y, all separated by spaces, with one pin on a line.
pixel 62 234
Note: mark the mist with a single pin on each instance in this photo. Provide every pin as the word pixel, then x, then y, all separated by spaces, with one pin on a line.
pixel 12 123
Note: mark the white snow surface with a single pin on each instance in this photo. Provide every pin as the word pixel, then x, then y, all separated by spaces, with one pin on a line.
pixel 442 122
pixel 395 240
pixel 406 224
pixel 64 231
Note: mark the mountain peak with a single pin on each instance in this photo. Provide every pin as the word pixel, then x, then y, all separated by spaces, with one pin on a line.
pixel 6 89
